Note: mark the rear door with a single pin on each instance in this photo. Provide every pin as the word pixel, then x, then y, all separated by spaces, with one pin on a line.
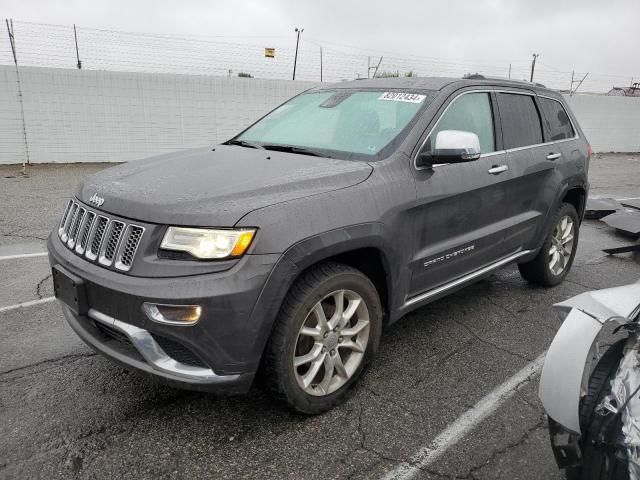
pixel 459 219
pixel 564 139
pixel 534 180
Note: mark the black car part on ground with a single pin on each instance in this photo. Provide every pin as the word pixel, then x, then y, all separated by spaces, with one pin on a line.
pixel 628 249
pixel 598 207
pixel 624 221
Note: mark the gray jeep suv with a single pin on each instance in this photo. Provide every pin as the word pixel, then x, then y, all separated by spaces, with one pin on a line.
pixel 286 250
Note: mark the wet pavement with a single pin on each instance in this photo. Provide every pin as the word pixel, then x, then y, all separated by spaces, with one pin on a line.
pixel 68 413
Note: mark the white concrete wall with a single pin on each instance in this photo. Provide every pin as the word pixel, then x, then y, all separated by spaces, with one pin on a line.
pixel 611 124
pixel 104 116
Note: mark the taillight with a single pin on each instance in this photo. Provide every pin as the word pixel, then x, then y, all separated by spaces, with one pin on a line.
pixel 589 152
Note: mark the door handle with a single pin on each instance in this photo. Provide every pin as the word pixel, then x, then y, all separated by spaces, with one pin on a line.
pixel 554 156
pixel 497 169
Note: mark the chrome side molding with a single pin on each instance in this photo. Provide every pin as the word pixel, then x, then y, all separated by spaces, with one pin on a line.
pixel 467 278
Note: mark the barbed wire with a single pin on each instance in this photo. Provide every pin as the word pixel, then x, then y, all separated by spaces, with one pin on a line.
pixel 49 45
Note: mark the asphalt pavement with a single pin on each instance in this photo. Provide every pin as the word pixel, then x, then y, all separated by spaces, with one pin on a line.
pixel 66 412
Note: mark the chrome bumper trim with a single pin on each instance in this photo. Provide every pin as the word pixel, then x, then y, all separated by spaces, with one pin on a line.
pixel 153 353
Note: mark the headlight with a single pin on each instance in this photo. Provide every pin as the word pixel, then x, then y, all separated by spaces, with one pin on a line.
pixel 208 243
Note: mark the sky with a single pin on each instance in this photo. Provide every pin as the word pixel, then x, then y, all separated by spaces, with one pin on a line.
pixel 600 37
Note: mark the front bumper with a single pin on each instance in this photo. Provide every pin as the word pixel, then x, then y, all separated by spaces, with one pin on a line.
pixel 219 353
pixel 137 348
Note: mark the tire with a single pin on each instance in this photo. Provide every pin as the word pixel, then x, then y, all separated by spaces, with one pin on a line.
pixel 315 294
pixel 539 270
pixel 600 463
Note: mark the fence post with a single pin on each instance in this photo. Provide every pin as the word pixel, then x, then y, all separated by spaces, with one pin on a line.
pixel 12 40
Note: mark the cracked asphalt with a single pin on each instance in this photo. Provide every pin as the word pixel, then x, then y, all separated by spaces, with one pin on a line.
pixel 68 413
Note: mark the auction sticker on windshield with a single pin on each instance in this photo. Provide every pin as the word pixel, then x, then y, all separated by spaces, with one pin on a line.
pixel 402 97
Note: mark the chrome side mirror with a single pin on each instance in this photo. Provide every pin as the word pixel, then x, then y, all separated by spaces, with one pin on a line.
pixel 451 146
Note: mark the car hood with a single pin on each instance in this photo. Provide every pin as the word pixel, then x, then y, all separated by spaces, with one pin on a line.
pixel 215 187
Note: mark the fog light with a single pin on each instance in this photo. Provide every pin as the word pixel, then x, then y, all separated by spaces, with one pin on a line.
pixel 173 314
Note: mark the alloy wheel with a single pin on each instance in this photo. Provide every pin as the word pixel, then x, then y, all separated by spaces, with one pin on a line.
pixel 331 342
pixel 561 245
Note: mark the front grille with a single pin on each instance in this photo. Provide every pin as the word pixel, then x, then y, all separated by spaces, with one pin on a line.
pixel 85 229
pixel 110 242
pixel 109 245
pixel 129 247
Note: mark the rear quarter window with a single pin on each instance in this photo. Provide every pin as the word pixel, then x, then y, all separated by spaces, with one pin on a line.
pixel 556 119
pixel 521 125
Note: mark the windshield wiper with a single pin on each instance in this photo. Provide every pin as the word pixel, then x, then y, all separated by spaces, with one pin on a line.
pixel 244 143
pixel 294 149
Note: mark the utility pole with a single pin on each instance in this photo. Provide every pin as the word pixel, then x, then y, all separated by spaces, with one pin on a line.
pixel 375 69
pixel 375 72
pixel 585 76
pixel 12 41
pixel 509 71
pixel 295 59
pixel 572 74
pixel 320 64
pixel 533 65
pixel 75 35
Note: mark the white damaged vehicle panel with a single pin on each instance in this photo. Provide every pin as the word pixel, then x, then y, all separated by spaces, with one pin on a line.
pixel 624 395
pixel 565 375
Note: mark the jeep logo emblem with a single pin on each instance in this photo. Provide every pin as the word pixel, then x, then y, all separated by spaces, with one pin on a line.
pixel 96 200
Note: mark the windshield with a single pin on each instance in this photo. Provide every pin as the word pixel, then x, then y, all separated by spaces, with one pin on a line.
pixel 337 123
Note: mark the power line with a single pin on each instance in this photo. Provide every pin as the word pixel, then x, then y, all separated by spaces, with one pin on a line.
pixel 59 46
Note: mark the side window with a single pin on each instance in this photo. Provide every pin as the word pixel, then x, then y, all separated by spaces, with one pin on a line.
pixel 469 113
pixel 556 119
pixel 520 120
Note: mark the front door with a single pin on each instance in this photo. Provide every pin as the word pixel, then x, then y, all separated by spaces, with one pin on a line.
pixel 460 219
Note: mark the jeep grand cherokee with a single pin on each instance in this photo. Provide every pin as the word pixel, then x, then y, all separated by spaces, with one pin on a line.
pixel 286 249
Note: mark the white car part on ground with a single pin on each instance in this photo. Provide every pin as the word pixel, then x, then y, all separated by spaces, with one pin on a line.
pixel 623 386
pixel 564 374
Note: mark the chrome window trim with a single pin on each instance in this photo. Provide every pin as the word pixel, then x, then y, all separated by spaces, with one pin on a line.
pixel 497 152
pixel 575 130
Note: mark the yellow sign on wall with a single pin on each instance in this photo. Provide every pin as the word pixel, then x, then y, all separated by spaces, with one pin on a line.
pixel 270 52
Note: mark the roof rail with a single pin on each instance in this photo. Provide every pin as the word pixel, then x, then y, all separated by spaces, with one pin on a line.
pixel 478 76
pixel 474 76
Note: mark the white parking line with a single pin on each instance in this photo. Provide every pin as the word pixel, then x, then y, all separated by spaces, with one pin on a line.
pixel 466 422
pixel 27 304
pixel 23 255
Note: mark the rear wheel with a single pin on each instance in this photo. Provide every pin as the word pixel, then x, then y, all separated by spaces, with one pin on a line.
pixel 555 258
pixel 327 331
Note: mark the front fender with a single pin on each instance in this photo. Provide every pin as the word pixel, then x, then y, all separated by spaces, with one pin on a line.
pixel 564 368
pixel 304 254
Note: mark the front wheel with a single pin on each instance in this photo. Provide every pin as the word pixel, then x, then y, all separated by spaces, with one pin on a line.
pixel 555 258
pixel 327 331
